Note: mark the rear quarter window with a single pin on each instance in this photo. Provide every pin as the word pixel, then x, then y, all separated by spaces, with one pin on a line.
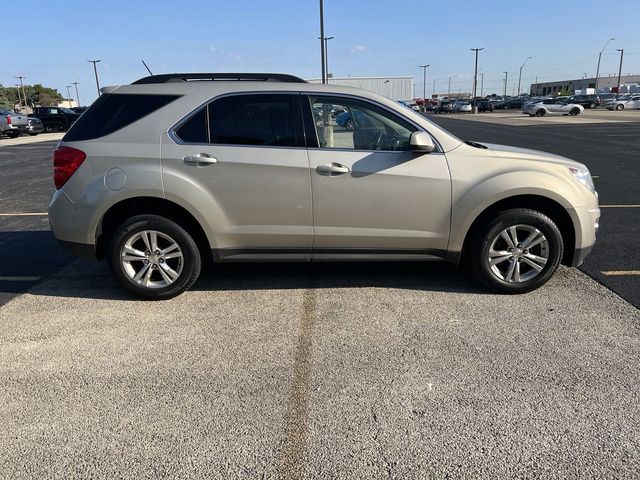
pixel 112 112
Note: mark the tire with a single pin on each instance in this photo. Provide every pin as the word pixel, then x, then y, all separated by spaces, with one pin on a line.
pixel 171 273
pixel 33 134
pixel 48 128
pixel 516 273
pixel 13 134
pixel 592 105
pixel 620 107
pixel 574 111
pixel 541 113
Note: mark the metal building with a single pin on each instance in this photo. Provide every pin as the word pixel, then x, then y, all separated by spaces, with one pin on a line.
pixel 604 85
pixel 395 88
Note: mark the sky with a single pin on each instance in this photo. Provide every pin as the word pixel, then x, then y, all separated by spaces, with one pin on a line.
pixel 372 38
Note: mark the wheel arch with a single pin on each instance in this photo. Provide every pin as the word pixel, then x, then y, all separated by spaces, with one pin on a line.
pixel 120 211
pixel 548 206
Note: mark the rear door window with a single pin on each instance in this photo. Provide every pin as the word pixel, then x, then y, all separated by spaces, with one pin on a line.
pixel 256 119
pixel 112 112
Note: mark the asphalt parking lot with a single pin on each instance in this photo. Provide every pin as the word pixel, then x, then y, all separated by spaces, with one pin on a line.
pixel 610 150
pixel 320 371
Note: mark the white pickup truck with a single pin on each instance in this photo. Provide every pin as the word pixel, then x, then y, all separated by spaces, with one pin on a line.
pixel 13 124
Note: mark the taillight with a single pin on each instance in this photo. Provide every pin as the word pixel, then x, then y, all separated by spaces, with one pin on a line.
pixel 66 161
pixel 8 119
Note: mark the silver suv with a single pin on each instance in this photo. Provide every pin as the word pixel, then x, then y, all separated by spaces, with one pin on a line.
pixel 159 175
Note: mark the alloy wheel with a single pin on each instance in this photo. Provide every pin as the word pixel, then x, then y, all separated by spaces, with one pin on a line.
pixel 152 259
pixel 518 253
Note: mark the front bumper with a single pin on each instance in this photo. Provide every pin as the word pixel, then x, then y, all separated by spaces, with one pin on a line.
pixel 587 221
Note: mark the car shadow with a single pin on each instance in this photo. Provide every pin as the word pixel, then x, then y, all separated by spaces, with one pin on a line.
pixel 40 266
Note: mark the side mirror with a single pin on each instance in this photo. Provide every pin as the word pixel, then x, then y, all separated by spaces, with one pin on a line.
pixel 421 142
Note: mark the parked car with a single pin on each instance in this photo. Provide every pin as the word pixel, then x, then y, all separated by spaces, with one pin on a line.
pixel 485 106
pixel 161 173
pixel 35 126
pixel 628 102
pixel 512 103
pixel 587 101
pixel 443 106
pixel 552 106
pixel 12 124
pixel 55 118
pixel 461 106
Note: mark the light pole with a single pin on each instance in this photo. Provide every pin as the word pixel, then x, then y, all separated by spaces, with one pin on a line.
pixel 69 95
pixel 506 77
pixel 95 72
pixel 322 57
pixel 481 84
pixel 326 56
pixel 621 50
pixel 77 96
pixel 433 92
pixel 424 84
pixel 449 91
pixel 599 57
pixel 520 76
pixel 475 79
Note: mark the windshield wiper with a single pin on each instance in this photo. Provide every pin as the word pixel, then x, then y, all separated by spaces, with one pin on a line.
pixel 475 144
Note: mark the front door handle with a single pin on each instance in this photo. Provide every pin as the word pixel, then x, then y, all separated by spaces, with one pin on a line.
pixel 199 160
pixel 332 169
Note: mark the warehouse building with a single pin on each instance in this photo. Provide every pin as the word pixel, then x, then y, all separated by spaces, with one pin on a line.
pixel 605 84
pixel 395 88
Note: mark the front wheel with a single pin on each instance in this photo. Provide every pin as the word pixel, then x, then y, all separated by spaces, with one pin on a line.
pixel 574 111
pixel 541 113
pixel 620 107
pixel 153 257
pixel 518 251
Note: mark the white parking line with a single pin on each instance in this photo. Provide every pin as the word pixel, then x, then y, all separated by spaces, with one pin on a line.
pixel 36 214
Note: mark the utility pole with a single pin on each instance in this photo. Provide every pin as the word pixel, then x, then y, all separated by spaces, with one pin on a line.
pixel 520 76
pixel 77 96
pixel 424 85
pixel 322 57
pixel 69 95
pixel 19 96
pixel 621 50
pixel 23 94
pixel 95 72
pixel 600 57
pixel 433 92
pixel 506 77
pixel 449 91
pixel 481 84
pixel 475 79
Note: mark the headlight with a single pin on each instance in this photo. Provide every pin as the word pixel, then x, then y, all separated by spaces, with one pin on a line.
pixel 583 176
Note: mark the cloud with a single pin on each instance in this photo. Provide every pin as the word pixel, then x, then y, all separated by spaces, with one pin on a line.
pixel 358 49
pixel 226 54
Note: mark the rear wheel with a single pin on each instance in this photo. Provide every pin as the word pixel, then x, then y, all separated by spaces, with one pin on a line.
pixel 619 107
pixel 574 111
pixel 541 113
pixel 153 257
pixel 13 134
pixel 518 251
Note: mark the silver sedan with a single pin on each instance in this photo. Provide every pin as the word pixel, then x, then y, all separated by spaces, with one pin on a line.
pixel 552 106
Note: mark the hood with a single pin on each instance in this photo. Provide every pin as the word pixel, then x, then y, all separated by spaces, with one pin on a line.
pixel 505 151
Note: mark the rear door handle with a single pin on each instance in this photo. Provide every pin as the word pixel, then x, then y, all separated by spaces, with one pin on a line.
pixel 332 169
pixel 199 160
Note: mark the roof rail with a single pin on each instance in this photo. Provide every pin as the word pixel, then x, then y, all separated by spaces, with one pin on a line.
pixel 189 77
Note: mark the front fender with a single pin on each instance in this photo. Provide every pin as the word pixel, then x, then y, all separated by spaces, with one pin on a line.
pixel 468 204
